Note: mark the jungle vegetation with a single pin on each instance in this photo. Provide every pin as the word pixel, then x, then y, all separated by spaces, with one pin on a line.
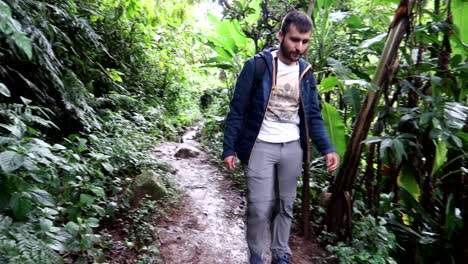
pixel 88 87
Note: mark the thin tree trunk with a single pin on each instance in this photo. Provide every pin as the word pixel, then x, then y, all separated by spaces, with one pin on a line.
pixel 311 7
pixel 378 183
pixel 310 11
pixel 306 172
pixel 347 174
pixel 369 176
pixel 305 201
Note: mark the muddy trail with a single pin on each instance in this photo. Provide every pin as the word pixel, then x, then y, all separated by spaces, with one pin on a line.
pixel 208 226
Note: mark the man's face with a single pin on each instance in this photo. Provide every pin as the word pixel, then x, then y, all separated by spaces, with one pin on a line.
pixel 293 44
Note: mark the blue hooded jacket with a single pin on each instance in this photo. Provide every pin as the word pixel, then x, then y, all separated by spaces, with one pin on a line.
pixel 249 103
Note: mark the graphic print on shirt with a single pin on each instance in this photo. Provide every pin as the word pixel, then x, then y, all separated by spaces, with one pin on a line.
pixel 284 101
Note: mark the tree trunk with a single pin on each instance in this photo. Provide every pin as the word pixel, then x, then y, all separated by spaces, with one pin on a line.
pixel 305 201
pixel 346 176
pixel 369 176
pixel 310 10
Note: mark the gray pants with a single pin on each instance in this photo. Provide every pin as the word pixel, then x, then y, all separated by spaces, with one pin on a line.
pixel 272 175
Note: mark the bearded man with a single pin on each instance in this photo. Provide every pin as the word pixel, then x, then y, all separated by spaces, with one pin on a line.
pixel 273 115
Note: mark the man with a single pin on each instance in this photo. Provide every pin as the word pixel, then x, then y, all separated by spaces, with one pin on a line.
pixel 268 128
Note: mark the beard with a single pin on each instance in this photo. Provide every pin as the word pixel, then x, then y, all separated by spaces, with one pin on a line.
pixel 291 55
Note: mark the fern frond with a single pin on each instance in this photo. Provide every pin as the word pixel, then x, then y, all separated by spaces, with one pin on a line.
pixel 20 244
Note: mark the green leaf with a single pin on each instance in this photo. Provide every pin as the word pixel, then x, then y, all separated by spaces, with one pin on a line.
pixel 352 97
pixel 86 241
pixel 4 90
pixel 20 205
pixel 18 129
pixel 86 199
pixel 98 191
pixel 440 155
pixel 101 211
pixel 11 161
pixel 45 224
pixel 335 127
pixel 425 118
pixel 42 197
pixel 372 140
pixel 407 181
pixel 92 222
pixel 367 43
pixel 460 20
pixel 327 84
pixel 398 150
pixel 455 114
pixel 463 135
pixel 366 84
pixel 24 43
pixel 59 147
pixel 57 245
pixel 5 9
pixel 25 101
pixel 72 228
pixel 386 143
pixel 354 21
pixel 450 218
pixel 325 4
pixel 339 68
pixel 108 167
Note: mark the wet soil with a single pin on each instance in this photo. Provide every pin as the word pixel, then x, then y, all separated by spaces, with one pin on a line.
pixel 208 226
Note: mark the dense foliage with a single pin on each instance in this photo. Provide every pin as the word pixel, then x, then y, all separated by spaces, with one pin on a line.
pixel 409 196
pixel 86 88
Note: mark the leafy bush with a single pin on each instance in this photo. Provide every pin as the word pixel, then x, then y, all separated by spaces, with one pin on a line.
pixel 372 242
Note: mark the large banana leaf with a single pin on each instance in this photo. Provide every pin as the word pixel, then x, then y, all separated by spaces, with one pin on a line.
pixel 460 22
pixel 440 156
pixel 335 127
pixel 407 181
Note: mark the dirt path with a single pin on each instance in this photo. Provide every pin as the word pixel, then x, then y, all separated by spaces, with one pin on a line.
pixel 209 225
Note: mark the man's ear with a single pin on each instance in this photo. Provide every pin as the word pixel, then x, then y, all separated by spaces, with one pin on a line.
pixel 280 36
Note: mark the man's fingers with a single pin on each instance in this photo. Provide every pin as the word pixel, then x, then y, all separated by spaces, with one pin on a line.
pixel 233 164
pixel 230 163
pixel 332 161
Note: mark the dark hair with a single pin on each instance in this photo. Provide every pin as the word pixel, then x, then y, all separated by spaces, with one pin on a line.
pixel 302 22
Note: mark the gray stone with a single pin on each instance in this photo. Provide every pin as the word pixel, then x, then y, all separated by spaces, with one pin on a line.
pixel 186 152
pixel 148 184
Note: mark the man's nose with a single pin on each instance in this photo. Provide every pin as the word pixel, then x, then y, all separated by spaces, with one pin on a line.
pixel 300 46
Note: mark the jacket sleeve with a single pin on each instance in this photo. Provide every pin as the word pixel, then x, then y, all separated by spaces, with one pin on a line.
pixel 237 108
pixel 317 130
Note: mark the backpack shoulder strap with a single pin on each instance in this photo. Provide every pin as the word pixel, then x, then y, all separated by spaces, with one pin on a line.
pixel 307 72
pixel 260 67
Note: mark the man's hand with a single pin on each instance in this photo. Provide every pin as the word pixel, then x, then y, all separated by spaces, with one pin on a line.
pixel 230 162
pixel 332 161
